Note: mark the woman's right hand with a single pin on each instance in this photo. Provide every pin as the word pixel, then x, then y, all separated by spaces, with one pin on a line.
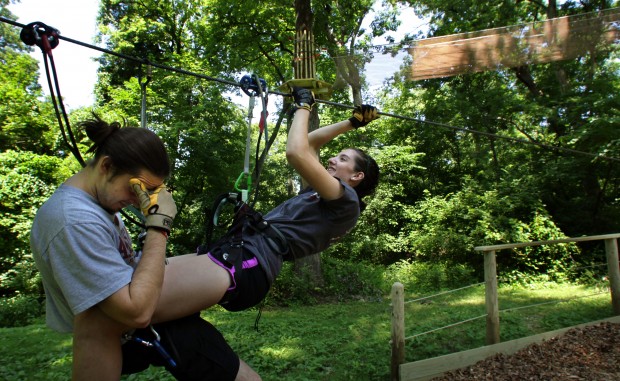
pixel 303 98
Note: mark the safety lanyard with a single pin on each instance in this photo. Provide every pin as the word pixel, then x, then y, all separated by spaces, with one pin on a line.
pixel 153 344
pixel 252 86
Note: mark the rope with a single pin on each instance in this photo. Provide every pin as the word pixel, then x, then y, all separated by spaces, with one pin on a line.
pixel 444 327
pixel 551 302
pixel 445 292
pixel 482 133
pixel 236 84
pixel 59 108
pixel 502 311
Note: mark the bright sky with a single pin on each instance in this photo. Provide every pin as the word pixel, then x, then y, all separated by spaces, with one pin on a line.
pixel 77 72
pixel 76 19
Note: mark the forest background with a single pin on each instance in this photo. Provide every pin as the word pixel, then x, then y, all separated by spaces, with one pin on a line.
pixel 443 190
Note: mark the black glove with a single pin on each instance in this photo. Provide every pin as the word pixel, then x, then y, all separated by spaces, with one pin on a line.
pixel 158 206
pixel 362 115
pixel 303 98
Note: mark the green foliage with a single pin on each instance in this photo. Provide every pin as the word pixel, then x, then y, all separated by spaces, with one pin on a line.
pixel 424 277
pixel 448 228
pixel 346 280
pixel 26 181
pixel 336 341
pixel 24 118
pixel 291 288
pixel 19 310
pixel 564 104
pixel 342 281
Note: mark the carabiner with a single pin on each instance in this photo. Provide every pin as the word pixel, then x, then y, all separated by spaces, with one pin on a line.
pixel 160 349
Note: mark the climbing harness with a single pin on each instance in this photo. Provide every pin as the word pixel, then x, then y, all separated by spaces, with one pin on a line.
pixel 246 221
pixel 154 343
pixel 253 86
pixel 229 248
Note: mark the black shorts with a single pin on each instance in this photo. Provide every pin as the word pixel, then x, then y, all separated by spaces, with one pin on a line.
pixel 249 281
pixel 197 347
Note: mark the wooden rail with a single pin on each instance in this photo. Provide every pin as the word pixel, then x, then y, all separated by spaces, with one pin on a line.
pixel 490 275
pixel 401 371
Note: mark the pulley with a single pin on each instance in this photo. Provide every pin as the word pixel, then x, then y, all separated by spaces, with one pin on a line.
pixel 253 86
pixel 37 33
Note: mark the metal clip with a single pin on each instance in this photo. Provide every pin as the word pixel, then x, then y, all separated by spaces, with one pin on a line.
pixel 161 349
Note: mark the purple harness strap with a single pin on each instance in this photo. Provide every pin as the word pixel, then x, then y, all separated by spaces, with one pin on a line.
pixel 247 264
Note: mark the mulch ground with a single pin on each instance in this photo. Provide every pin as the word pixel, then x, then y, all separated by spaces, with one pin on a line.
pixel 591 354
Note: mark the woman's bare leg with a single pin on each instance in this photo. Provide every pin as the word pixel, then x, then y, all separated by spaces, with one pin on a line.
pixel 192 283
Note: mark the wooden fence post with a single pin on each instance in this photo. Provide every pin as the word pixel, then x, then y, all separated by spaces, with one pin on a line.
pixel 492 304
pixel 611 250
pixel 398 330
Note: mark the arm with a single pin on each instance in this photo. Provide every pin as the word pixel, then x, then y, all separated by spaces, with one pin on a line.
pixel 304 159
pixel 319 137
pixel 97 332
pixel 134 304
pixel 362 115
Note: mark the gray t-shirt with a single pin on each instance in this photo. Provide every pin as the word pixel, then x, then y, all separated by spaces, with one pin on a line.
pixel 84 254
pixel 310 225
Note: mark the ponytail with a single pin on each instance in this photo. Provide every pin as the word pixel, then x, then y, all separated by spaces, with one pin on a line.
pixel 366 164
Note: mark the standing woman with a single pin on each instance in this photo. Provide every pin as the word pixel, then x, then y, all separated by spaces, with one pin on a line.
pixel 305 224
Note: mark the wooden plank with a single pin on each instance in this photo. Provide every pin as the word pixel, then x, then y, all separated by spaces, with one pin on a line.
pixel 538 42
pixel 538 243
pixel 429 368
pixel 398 329
pixel 611 252
pixel 491 299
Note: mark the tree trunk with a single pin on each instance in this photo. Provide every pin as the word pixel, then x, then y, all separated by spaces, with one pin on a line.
pixel 309 266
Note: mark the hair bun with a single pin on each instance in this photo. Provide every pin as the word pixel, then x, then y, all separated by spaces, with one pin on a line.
pixel 99 131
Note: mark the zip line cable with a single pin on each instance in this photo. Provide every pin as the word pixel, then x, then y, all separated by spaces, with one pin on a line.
pixel 482 133
pixel 391 115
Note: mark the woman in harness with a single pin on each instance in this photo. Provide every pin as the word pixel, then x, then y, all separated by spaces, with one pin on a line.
pixel 237 274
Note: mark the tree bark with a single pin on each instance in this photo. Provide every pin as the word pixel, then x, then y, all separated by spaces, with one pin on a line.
pixel 311 265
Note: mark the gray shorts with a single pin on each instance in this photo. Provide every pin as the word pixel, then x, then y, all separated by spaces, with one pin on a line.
pixel 249 281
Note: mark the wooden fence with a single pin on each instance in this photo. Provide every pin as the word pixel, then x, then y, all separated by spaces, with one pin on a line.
pixel 427 369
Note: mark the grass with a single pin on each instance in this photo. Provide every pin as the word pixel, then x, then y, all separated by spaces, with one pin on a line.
pixel 337 342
